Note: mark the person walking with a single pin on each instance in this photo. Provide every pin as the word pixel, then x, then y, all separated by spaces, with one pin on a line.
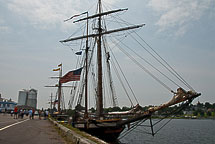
pixel 33 111
pixel 5 111
pixel 22 113
pixel 11 113
pixel 39 114
pixel 15 112
pixel 30 112
pixel 47 113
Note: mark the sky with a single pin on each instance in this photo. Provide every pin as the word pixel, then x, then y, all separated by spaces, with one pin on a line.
pixel 183 32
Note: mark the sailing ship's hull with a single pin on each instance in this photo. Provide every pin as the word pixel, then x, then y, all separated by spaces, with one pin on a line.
pixel 108 134
pixel 107 131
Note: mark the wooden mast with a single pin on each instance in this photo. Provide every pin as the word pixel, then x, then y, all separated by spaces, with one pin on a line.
pixel 99 35
pixel 86 76
pixel 59 86
pixel 59 89
pixel 51 105
pixel 99 58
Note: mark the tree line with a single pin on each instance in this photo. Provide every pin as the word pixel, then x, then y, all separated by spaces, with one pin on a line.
pixel 200 110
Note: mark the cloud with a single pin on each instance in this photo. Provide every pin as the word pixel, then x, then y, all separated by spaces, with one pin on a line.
pixel 3 27
pixel 178 14
pixel 43 14
pixel 49 13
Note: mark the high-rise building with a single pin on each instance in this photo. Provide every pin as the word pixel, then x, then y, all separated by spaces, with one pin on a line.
pixel 28 98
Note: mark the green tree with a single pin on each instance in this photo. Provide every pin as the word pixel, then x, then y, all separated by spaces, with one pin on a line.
pixel 195 113
pixel 212 114
pixel 125 108
pixel 202 113
pixel 209 113
pixel 200 105
pixel 208 105
pixel 213 105
pixel 116 109
pixel 92 110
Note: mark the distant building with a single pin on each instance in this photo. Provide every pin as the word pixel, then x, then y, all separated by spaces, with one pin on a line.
pixel 28 98
pixel 22 99
pixel 6 105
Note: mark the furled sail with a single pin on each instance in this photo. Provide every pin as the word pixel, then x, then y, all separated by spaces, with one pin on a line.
pixel 179 96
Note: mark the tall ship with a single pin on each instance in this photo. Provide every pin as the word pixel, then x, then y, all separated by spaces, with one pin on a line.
pixel 93 79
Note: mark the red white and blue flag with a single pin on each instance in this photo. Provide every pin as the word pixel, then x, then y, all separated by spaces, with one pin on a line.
pixel 71 76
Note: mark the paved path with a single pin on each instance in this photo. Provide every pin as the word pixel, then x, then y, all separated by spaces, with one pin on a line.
pixel 25 131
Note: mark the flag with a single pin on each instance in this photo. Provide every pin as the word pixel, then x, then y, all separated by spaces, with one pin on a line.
pixel 71 76
pixel 78 53
pixel 56 102
pixel 56 69
pixel 60 65
pixel 75 16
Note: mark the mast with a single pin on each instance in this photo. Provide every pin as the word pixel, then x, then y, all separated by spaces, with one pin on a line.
pixel 99 58
pixel 51 111
pixel 59 86
pixel 98 36
pixel 86 76
pixel 59 89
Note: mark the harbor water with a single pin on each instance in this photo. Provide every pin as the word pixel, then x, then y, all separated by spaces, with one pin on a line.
pixel 177 131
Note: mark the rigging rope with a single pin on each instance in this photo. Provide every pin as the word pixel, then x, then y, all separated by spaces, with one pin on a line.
pixel 150 64
pixel 139 123
pixel 174 112
pixel 175 73
pixel 143 68
pixel 124 75
pixel 132 128
pixel 107 56
pixel 118 76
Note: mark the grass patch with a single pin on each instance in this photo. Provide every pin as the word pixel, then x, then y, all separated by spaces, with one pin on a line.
pixel 82 133
pixel 62 135
pixel 77 131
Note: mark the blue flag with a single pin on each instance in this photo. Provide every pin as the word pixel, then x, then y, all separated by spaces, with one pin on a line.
pixel 78 53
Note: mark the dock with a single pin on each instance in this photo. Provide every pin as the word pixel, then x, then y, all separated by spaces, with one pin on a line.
pixel 40 131
pixel 26 131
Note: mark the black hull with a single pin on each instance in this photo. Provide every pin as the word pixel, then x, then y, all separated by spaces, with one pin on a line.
pixel 108 134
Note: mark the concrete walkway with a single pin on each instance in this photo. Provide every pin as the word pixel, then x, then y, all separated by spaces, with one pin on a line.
pixel 25 131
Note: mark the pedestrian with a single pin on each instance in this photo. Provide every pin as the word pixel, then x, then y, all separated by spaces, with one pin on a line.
pixel 33 111
pixel 5 110
pixel 15 112
pixel 22 114
pixel 30 113
pixel 39 114
pixel 26 112
pixel 11 113
pixel 46 113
